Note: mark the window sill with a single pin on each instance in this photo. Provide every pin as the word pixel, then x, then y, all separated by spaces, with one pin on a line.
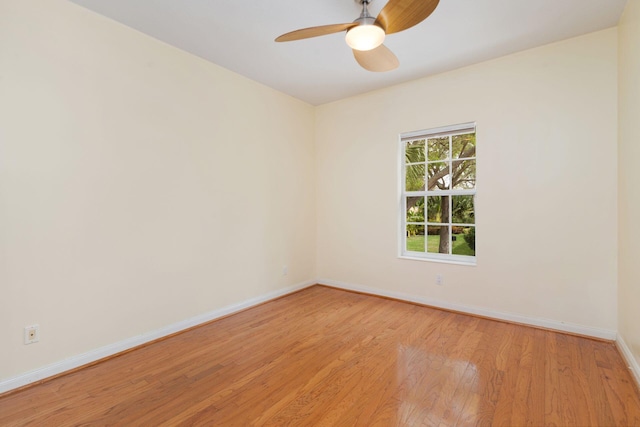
pixel 471 263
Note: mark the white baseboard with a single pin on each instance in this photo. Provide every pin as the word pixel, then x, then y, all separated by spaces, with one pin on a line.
pixel 111 349
pixel 628 356
pixel 499 315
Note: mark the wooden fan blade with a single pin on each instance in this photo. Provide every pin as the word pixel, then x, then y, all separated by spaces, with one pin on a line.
pixel 322 30
pixel 378 59
pixel 398 15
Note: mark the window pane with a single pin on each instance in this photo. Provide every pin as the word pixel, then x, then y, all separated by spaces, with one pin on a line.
pixel 463 211
pixel 414 151
pixel 465 241
pixel 438 175
pixel 438 239
pixel 464 174
pixel 464 145
pixel 415 238
pixel 415 178
pixel 438 148
pixel 415 209
pixel 438 209
pixel 438 193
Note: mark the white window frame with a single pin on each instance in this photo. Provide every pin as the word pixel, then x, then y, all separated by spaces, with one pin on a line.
pixel 452 130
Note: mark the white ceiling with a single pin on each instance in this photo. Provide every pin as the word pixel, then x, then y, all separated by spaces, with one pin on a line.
pixel 239 36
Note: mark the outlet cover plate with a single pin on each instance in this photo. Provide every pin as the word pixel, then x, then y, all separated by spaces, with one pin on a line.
pixel 31 334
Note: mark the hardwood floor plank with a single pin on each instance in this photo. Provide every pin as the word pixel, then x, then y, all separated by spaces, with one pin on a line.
pixel 485 389
pixel 598 401
pixel 573 397
pixel 553 410
pixel 444 409
pixel 528 401
pixel 326 357
pixel 511 350
pixel 452 397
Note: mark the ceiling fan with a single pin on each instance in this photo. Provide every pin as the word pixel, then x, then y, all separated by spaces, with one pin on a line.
pixel 366 34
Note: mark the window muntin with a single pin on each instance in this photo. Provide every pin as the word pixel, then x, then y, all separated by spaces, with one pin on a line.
pixel 438 194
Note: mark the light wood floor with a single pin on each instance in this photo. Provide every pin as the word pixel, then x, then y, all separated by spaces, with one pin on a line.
pixel 325 357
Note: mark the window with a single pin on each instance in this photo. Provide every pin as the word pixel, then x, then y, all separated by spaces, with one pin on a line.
pixel 438 194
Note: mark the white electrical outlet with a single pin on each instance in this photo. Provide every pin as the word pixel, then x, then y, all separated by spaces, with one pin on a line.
pixel 285 270
pixel 31 334
pixel 439 280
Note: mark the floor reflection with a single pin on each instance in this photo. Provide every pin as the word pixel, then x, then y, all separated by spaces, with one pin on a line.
pixel 434 389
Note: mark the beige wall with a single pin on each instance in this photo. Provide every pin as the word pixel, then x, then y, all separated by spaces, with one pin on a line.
pixel 139 185
pixel 547 175
pixel 629 177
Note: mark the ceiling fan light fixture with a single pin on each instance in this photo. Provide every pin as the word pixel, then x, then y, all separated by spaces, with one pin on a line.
pixel 365 37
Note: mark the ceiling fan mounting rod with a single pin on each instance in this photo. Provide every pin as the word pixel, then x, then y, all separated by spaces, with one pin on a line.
pixel 365 18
